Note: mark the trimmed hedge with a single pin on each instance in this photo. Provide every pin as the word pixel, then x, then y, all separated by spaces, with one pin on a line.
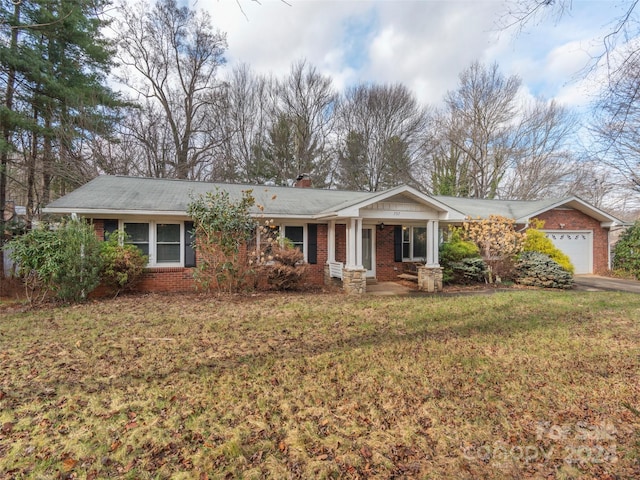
pixel 539 270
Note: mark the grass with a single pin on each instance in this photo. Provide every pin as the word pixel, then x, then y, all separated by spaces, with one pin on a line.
pixel 524 384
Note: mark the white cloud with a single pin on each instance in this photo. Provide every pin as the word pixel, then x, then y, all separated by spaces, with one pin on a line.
pixel 424 44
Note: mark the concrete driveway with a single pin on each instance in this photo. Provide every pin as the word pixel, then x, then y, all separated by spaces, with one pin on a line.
pixel 594 283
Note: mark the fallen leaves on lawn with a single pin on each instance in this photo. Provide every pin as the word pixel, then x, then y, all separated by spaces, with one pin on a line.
pixel 324 386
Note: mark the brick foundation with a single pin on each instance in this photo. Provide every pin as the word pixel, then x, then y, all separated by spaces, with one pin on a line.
pixel 177 279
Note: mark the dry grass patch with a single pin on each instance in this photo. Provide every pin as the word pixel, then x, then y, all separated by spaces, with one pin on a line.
pixel 513 385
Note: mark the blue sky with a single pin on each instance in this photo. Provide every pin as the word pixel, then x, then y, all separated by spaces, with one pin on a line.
pixel 424 44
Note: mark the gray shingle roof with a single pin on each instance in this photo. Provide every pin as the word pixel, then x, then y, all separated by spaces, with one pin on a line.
pixel 516 209
pixel 118 194
pixel 522 210
pixel 129 194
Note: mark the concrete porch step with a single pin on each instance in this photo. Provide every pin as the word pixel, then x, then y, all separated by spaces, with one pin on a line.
pixel 408 276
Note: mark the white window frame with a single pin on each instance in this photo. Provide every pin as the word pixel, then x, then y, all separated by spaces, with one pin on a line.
pixel 179 243
pixel 305 243
pixel 412 257
pixel 153 243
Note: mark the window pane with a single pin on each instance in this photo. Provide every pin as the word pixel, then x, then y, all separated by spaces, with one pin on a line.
pixel 168 233
pixel 419 242
pixel 405 234
pixel 405 250
pixel 143 247
pixel 168 253
pixel 137 232
pixel 296 235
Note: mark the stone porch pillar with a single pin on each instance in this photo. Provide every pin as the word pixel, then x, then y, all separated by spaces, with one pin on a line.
pixel 429 279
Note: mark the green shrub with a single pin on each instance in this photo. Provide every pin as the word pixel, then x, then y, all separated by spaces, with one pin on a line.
pixel 536 241
pixel 468 270
pixel 454 251
pixel 64 261
pixel 539 270
pixel 626 253
pixel 123 263
pixel 223 227
pixel 79 270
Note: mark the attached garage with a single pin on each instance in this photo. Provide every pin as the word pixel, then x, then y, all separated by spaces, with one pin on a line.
pixel 577 245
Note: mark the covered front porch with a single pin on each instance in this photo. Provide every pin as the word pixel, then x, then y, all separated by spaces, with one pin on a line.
pixel 357 251
pixel 377 239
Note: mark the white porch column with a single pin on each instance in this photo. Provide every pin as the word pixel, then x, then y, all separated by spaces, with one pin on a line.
pixel 331 242
pixel 359 243
pixel 354 276
pixel 354 244
pixel 433 240
pixel 351 243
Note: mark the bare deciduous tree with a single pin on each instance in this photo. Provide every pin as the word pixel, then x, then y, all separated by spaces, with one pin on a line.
pixel 306 100
pixel 542 157
pixel 477 130
pixel 616 124
pixel 171 56
pixel 487 144
pixel 380 127
pixel 248 106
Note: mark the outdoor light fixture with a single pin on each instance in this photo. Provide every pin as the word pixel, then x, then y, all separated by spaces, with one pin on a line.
pixel 381 226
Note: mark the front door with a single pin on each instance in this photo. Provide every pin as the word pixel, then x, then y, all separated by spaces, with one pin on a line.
pixel 368 252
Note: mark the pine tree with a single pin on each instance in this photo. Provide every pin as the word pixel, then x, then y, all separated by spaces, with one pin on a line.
pixel 53 65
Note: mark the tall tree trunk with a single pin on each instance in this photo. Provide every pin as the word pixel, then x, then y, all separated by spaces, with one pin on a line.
pixel 7 131
pixel 47 162
pixel 31 170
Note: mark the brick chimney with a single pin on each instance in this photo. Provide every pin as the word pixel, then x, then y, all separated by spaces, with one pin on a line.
pixel 303 181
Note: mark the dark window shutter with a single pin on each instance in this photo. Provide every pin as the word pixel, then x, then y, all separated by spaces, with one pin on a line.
pixel 397 243
pixel 189 241
pixel 312 241
pixel 110 226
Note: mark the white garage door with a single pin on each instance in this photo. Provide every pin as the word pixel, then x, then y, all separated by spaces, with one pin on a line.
pixel 577 245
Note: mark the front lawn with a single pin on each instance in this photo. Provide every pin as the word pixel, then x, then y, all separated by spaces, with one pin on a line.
pixel 524 384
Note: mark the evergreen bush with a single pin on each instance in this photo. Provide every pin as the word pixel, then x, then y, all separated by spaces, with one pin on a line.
pixel 626 253
pixel 63 261
pixel 468 270
pixel 539 270
pixel 123 263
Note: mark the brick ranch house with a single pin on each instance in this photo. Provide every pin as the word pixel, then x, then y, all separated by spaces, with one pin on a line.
pixel 346 236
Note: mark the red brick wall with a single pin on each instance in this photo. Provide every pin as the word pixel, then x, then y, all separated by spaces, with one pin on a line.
pixel 576 220
pixel 179 279
pixel 166 279
pixel 386 268
pixel 98 226
pixel 315 272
